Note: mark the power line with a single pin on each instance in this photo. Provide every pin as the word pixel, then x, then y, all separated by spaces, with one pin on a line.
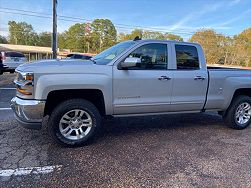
pixel 74 19
pixel 121 26
pixel 76 22
pixel 82 19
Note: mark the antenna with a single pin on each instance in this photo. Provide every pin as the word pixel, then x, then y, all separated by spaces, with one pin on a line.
pixel 136 38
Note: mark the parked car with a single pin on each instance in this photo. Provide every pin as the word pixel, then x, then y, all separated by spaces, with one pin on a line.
pixel 1 64
pixel 11 60
pixel 78 56
pixel 132 78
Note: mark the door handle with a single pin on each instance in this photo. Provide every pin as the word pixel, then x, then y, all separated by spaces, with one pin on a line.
pixel 199 78
pixel 164 78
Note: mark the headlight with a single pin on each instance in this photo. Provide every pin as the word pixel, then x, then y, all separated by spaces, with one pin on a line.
pixel 24 83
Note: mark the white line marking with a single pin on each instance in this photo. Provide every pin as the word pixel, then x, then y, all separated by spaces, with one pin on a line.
pixel 5 109
pixel 6 88
pixel 29 170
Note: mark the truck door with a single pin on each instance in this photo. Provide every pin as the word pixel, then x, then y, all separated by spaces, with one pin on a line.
pixel 190 78
pixel 145 88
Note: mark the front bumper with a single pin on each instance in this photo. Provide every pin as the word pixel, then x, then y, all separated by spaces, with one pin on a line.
pixel 5 68
pixel 29 113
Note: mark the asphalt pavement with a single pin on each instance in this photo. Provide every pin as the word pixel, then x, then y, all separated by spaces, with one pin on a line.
pixel 186 150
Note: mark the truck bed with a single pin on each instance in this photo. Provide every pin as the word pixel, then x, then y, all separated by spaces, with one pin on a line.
pixel 227 68
pixel 223 81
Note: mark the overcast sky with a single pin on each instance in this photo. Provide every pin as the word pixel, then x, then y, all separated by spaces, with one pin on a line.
pixel 181 17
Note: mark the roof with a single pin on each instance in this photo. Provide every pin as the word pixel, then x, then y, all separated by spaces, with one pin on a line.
pixel 80 53
pixel 24 48
pixel 155 40
pixel 36 49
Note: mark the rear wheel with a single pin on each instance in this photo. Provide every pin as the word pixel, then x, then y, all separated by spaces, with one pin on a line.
pixel 238 116
pixel 74 122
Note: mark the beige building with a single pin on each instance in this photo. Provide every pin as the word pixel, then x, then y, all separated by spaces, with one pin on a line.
pixel 31 52
pixel 36 52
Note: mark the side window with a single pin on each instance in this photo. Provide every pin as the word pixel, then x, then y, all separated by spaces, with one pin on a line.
pixel 78 56
pixel 13 54
pixel 86 57
pixel 153 57
pixel 187 57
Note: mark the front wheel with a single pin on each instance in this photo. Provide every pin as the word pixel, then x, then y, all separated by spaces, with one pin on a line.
pixel 74 122
pixel 238 116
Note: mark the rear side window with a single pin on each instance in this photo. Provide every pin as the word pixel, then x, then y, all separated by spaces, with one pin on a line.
pixel 14 54
pixel 187 57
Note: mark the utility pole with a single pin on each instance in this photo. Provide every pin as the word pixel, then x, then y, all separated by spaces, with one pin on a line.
pixel 54 32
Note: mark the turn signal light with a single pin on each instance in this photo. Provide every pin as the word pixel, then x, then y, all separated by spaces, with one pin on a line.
pixel 24 91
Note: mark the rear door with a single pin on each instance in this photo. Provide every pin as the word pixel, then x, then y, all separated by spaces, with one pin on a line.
pixel 146 88
pixel 190 78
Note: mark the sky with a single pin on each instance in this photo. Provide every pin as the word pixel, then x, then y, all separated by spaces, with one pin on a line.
pixel 182 17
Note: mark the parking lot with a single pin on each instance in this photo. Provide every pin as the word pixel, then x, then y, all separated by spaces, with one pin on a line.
pixel 187 150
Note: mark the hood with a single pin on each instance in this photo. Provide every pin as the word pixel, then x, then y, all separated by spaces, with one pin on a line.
pixel 56 66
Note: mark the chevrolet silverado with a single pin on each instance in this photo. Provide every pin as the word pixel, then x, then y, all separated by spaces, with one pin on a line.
pixel 132 78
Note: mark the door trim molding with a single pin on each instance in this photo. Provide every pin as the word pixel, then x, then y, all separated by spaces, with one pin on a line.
pixel 135 105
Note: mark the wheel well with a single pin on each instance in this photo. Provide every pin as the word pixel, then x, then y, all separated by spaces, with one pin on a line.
pixel 95 96
pixel 243 91
pixel 238 92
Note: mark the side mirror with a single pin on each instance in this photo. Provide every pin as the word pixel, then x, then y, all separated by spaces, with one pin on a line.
pixel 130 62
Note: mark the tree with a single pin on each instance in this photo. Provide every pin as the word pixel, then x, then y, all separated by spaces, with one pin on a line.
pixel 22 33
pixel 44 39
pixel 153 35
pixel 130 36
pixel 61 40
pixel 225 50
pixel 212 43
pixel 240 53
pixel 74 37
pixel 136 33
pixel 3 40
pixel 148 35
pixel 103 35
pixel 173 37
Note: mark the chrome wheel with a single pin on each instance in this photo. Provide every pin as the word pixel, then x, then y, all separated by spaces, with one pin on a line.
pixel 243 113
pixel 75 124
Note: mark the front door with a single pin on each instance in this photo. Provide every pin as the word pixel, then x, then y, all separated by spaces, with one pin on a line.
pixel 147 87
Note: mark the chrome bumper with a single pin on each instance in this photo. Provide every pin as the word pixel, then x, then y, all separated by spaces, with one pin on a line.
pixel 29 113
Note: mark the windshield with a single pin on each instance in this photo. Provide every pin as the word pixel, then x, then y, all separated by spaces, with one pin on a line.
pixel 109 54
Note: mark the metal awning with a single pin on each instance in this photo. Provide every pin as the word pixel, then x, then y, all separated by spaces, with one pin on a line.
pixel 25 49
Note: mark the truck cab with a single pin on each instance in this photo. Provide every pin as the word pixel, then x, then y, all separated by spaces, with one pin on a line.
pixel 156 83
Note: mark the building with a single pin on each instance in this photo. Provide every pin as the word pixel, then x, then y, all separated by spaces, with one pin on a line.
pixel 31 52
pixel 35 52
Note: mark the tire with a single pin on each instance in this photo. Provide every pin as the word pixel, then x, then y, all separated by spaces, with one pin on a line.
pixel 242 106
pixel 12 71
pixel 67 115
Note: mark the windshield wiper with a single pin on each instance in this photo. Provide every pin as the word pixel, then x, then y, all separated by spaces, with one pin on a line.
pixel 93 61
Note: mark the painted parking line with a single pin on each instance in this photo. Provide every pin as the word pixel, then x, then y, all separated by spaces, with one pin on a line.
pixel 5 109
pixel 29 171
pixel 6 88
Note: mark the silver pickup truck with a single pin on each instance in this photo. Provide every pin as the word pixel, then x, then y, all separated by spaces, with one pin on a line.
pixel 132 78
